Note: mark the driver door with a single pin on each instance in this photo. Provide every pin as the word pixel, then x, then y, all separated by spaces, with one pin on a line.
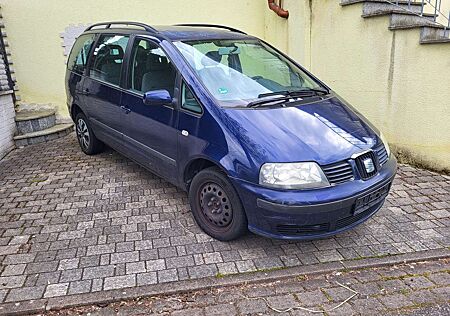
pixel 150 133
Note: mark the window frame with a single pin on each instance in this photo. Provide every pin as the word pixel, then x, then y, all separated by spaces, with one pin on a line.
pixel 89 56
pixel 180 98
pixel 129 55
pixel 124 61
pixel 176 105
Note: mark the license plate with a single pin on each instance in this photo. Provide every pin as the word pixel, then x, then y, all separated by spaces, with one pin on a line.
pixel 365 202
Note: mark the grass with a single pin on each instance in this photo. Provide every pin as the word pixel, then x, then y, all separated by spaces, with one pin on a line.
pixel 38 179
pixel 370 257
pixel 406 276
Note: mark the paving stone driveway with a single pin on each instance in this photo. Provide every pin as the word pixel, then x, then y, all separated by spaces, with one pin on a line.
pixel 418 289
pixel 71 223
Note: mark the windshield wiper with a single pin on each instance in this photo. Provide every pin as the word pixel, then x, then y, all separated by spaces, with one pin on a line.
pixel 257 103
pixel 295 93
pixel 285 95
pixel 316 91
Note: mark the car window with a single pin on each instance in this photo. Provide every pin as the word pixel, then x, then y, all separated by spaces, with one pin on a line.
pixel 150 68
pixel 108 57
pixel 188 100
pixel 80 52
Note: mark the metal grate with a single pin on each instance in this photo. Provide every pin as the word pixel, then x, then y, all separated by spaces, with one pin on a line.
pixel 381 154
pixel 362 168
pixel 4 56
pixel 338 172
pixel 294 230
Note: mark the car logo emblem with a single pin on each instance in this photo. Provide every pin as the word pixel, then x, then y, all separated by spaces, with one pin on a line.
pixel 369 165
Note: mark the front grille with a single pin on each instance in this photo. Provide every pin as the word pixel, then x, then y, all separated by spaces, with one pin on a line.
pixel 381 154
pixel 364 173
pixel 338 172
pixel 294 230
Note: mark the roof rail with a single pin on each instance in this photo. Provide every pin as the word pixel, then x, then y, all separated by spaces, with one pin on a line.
pixel 109 24
pixel 214 25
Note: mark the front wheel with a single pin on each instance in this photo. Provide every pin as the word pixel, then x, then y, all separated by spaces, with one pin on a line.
pixel 89 144
pixel 216 206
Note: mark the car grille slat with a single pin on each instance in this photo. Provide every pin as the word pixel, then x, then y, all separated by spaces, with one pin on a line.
pixel 338 172
pixel 342 178
pixel 335 166
pixel 381 154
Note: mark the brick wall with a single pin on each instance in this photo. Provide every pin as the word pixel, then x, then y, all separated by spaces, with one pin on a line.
pixel 7 111
pixel 7 123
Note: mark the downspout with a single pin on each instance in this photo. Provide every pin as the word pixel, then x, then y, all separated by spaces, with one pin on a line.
pixel 278 9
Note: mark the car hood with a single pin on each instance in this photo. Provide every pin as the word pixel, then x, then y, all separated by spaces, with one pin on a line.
pixel 324 131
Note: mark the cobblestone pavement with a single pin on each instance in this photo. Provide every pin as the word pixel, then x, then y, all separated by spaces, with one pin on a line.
pixel 413 289
pixel 71 224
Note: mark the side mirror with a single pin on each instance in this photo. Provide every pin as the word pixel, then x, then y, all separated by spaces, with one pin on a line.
pixel 157 97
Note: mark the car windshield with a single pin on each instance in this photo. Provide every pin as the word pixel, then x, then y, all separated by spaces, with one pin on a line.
pixel 238 72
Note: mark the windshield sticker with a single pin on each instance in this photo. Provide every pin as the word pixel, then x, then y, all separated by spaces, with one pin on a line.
pixel 223 90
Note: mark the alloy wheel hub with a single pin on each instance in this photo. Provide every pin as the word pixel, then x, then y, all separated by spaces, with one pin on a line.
pixel 83 133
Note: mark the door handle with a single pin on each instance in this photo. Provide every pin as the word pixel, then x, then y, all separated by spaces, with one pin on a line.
pixel 127 110
pixel 86 91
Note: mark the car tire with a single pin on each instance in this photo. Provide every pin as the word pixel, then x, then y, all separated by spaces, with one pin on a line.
pixel 89 144
pixel 216 206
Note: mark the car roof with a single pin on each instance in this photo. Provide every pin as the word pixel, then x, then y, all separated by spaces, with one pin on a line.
pixel 174 32
pixel 183 33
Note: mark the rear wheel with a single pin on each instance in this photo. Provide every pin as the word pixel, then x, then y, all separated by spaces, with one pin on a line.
pixel 216 206
pixel 89 144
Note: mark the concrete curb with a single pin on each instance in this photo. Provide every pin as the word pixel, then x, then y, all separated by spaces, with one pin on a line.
pixel 104 297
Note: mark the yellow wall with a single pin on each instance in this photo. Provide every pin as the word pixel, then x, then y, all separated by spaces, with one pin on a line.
pixel 34 28
pixel 400 85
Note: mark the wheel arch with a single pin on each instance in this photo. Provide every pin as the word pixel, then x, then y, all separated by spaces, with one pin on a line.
pixel 196 165
pixel 75 109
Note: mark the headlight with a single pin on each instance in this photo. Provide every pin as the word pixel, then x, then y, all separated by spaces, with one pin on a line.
pixel 386 145
pixel 299 175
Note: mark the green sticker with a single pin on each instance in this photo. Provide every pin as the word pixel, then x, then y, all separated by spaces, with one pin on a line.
pixel 223 90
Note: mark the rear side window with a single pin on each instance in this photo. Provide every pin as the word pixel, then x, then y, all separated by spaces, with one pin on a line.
pixel 80 53
pixel 108 57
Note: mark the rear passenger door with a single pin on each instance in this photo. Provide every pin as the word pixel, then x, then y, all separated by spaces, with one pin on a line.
pixel 150 131
pixel 102 89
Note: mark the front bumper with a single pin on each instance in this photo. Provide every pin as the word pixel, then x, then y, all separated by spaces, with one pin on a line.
pixel 312 214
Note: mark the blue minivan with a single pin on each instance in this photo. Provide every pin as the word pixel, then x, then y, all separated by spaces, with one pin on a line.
pixel 256 140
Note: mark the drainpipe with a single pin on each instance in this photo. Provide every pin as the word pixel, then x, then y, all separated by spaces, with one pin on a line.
pixel 278 9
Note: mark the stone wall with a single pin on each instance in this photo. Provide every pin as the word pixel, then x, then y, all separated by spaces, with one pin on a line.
pixel 7 123
pixel 7 87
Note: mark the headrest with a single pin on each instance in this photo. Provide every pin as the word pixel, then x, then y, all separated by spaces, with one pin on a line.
pixel 111 51
pixel 156 62
pixel 211 59
pixel 141 53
